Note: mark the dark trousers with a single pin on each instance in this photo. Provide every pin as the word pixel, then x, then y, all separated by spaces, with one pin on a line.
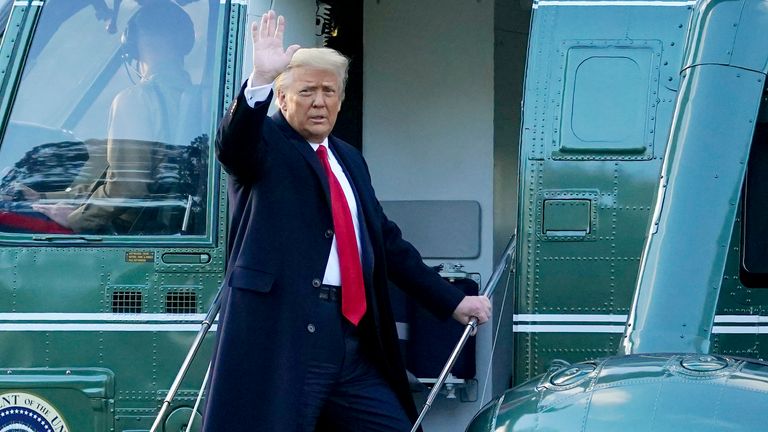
pixel 343 390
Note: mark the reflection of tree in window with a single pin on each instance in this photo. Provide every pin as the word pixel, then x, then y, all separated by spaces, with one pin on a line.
pixel 156 38
pixel 148 175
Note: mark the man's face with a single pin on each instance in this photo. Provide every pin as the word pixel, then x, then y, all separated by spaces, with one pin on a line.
pixel 310 102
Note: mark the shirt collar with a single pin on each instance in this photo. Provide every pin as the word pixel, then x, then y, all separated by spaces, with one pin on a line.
pixel 316 145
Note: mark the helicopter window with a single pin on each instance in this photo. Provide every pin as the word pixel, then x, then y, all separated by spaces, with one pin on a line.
pixel 5 14
pixel 109 131
pixel 754 239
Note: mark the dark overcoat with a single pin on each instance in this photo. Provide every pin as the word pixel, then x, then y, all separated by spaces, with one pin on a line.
pixel 280 237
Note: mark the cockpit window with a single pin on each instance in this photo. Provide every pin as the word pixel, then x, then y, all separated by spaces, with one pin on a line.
pixel 5 13
pixel 109 133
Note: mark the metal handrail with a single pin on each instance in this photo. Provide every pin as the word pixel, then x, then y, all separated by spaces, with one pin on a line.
pixel 205 326
pixel 505 263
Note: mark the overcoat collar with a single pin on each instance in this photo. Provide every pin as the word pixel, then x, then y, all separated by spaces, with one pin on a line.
pixel 354 176
pixel 303 147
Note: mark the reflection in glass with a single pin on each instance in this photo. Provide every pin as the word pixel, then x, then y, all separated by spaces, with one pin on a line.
pixel 5 14
pixel 109 131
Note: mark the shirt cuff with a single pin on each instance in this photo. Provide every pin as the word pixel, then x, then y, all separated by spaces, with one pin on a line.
pixel 254 95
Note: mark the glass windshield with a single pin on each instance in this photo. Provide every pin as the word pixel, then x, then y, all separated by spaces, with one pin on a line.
pixel 109 130
pixel 5 13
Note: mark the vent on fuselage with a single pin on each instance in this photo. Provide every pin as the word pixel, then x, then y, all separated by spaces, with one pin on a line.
pixel 129 302
pixel 181 302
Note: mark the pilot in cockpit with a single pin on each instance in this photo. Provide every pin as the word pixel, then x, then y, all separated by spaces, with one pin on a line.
pixel 143 120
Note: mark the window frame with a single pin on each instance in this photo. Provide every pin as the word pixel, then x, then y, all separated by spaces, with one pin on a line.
pixel 222 62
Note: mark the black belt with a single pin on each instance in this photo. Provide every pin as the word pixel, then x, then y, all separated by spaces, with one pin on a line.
pixel 331 293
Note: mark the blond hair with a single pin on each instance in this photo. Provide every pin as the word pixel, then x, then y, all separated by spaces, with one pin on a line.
pixel 317 58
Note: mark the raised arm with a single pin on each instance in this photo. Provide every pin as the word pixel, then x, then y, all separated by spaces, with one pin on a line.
pixel 239 143
pixel 269 57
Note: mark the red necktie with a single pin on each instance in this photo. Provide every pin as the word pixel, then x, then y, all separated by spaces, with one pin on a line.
pixel 352 286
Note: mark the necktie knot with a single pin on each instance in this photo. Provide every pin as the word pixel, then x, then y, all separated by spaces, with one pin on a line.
pixel 322 152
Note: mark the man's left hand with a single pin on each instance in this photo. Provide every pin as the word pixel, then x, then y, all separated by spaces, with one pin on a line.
pixel 473 307
pixel 59 213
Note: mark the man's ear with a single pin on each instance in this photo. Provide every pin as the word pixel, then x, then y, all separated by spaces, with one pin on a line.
pixel 281 100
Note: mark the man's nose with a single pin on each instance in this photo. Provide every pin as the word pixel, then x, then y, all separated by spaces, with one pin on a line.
pixel 318 100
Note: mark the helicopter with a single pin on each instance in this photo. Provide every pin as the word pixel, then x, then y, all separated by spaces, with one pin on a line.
pixel 689 356
pixel 552 118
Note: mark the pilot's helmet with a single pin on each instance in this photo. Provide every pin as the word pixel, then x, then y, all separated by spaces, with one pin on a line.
pixel 160 20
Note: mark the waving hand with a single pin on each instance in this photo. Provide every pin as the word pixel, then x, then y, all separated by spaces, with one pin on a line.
pixel 269 57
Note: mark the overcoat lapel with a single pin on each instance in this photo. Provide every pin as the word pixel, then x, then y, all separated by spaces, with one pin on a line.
pixel 303 147
pixel 354 177
pixel 351 169
pixel 366 201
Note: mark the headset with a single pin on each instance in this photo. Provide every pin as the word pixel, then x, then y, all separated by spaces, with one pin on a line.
pixel 162 19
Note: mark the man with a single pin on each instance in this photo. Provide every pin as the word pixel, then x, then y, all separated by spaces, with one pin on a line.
pixel 306 339
pixel 142 118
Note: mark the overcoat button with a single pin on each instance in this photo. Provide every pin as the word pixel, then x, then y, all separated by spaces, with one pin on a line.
pixel 316 283
pixel 311 328
pixel 329 233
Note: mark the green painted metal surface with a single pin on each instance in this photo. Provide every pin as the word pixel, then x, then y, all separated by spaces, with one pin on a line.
pixel 575 291
pixel 93 327
pixel 661 393
pixel 600 98
pixel 693 249
pixel 78 398
pixel 679 285
pixel 702 180
pixel 600 87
